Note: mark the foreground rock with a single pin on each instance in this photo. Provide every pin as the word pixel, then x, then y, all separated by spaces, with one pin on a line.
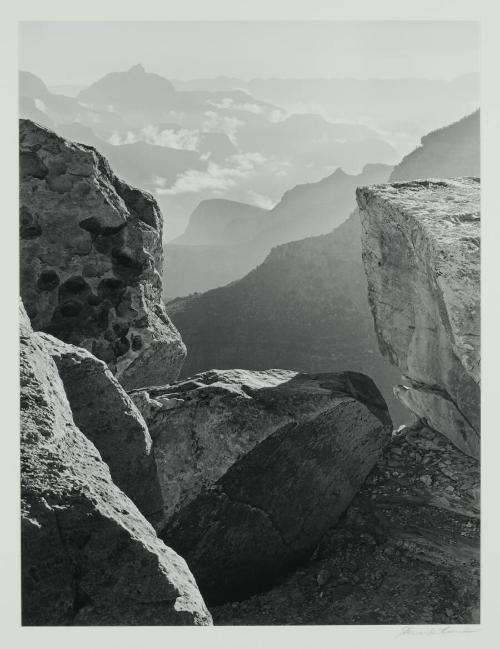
pixel 267 463
pixel 91 259
pixel 88 555
pixel 202 426
pixel 421 250
pixel 405 552
pixel 106 415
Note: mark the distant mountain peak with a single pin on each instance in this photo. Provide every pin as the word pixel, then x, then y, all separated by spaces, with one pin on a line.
pixel 137 69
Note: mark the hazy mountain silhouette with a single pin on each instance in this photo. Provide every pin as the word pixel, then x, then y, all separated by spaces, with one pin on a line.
pixel 401 109
pixel 220 222
pixel 450 151
pixel 303 211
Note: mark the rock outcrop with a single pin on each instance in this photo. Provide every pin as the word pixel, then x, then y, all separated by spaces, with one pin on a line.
pixel 88 555
pixel 107 416
pixel 91 259
pixel 260 465
pixel 405 552
pixel 421 250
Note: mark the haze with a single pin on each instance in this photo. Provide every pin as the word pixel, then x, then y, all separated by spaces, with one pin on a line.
pixel 74 53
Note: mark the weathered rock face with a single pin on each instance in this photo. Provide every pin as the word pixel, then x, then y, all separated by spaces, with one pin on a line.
pixel 91 259
pixel 271 460
pixel 405 552
pixel 421 253
pixel 202 426
pixel 106 415
pixel 88 555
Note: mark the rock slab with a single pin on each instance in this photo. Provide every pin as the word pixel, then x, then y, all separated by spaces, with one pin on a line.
pixel 421 251
pixel 92 260
pixel 88 555
pixel 107 416
pixel 284 485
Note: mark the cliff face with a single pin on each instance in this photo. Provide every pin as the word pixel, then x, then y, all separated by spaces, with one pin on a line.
pixel 91 259
pixel 421 251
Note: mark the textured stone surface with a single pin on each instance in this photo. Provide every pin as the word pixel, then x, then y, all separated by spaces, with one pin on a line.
pixel 88 555
pixel 421 250
pixel 91 259
pixel 203 425
pixel 270 507
pixel 406 551
pixel 106 415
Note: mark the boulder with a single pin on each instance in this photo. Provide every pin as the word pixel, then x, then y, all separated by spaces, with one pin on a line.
pixel 202 426
pixel 265 462
pixel 421 251
pixel 91 259
pixel 107 416
pixel 89 557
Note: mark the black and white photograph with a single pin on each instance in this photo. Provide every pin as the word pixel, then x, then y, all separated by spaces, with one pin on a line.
pixel 249 324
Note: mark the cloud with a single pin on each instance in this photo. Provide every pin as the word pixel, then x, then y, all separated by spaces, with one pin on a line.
pixel 277 115
pixel 260 200
pixel 40 105
pixel 174 139
pixel 215 177
pixel 215 123
pixel 229 103
pixel 128 138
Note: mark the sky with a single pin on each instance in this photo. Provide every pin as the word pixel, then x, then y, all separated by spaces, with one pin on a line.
pixel 80 52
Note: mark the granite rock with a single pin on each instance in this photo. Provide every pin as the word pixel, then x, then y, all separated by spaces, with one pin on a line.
pixel 421 251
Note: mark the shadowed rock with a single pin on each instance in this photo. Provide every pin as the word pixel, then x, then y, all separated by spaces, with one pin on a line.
pixel 88 555
pixel 263 494
pixel 421 251
pixel 406 551
pixel 91 259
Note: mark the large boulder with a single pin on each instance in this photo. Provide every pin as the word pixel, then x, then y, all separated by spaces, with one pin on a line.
pixel 107 416
pixel 91 259
pixel 88 555
pixel 264 462
pixel 421 251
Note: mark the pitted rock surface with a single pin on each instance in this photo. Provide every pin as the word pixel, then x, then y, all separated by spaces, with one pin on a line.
pixel 91 259
pixel 89 557
pixel 203 425
pixel 280 487
pixel 106 415
pixel 421 251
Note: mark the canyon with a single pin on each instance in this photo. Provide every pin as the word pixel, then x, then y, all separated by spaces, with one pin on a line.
pixel 276 491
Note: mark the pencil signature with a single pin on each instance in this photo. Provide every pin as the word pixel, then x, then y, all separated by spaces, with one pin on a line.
pixel 436 630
